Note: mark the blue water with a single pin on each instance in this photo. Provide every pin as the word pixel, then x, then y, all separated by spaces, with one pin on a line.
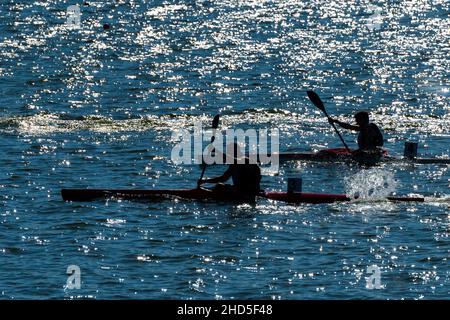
pixel 96 108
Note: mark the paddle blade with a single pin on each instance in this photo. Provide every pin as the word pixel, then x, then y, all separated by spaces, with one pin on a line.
pixel 315 99
pixel 215 122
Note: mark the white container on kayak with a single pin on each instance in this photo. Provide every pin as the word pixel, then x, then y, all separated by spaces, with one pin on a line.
pixel 410 151
pixel 294 185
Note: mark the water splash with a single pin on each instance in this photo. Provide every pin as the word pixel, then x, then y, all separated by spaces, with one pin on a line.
pixel 370 184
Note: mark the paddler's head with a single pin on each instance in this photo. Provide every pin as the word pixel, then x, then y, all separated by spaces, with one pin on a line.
pixel 362 118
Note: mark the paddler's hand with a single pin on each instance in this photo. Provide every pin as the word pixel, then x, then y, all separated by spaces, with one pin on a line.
pixel 200 182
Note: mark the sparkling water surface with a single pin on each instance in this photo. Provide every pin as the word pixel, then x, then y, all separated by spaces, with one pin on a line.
pixel 90 107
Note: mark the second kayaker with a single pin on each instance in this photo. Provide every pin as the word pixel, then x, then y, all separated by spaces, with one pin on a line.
pixel 246 176
pixel 370 139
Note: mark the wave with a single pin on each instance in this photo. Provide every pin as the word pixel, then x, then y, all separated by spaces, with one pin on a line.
pixel 49 123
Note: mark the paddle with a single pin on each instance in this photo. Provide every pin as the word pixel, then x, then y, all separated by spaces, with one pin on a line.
pixel 215 124
pixel 315 99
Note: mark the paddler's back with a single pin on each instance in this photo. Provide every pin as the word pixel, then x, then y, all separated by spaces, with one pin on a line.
pixel 246 177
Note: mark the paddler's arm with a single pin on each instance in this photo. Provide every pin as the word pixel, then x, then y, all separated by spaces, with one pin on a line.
pixel 343 124
pixel 227 175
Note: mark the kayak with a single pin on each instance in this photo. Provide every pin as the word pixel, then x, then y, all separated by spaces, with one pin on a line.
pixel 337 155
pixel 207 194
pixel 342 155
pixel 192 194
pixel 333 155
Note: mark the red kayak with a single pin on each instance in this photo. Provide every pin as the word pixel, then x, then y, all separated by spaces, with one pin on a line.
pixel 342 155
pixel 206 194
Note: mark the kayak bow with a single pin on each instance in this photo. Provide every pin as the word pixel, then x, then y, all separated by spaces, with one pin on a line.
pixel 130 194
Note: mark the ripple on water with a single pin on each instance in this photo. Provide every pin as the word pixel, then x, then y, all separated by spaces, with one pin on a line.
pixel 96 108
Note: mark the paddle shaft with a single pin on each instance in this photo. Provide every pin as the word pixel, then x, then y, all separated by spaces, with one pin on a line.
pixel 204 166
pixel 214 126
pixel 335 129
pixel 315 99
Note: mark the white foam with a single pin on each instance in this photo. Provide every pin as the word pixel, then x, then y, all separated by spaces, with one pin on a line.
pixel 370 184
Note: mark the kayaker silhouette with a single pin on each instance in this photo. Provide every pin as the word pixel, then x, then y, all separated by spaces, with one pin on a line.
pixel 370 139
pixel 246 176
